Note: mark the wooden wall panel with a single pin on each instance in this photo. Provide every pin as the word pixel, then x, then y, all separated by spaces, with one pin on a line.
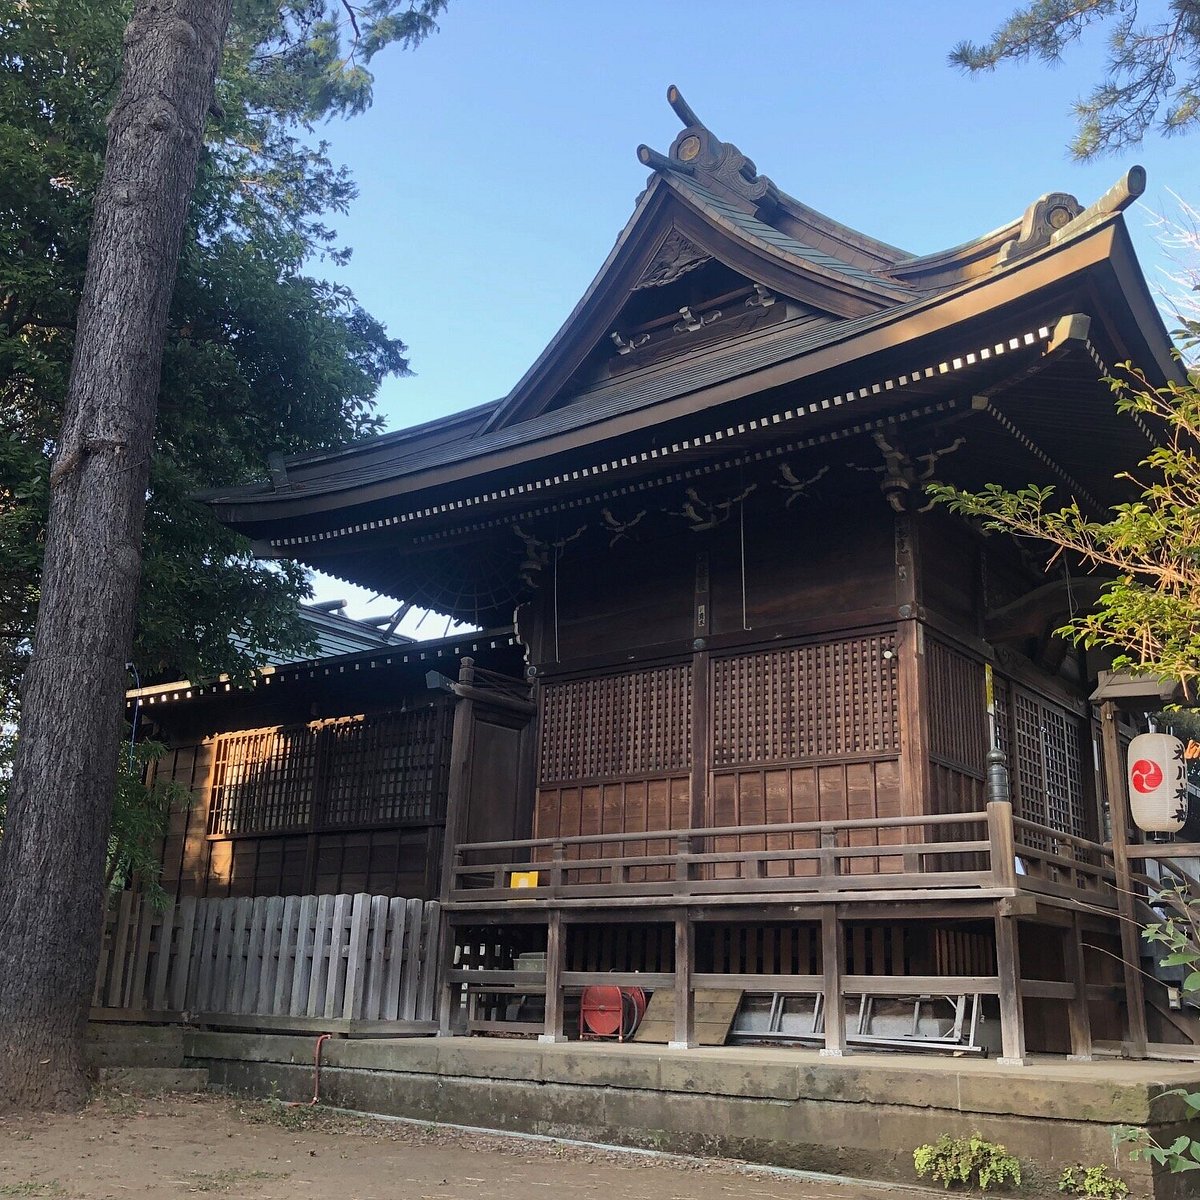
pixel 802 562
pixel 958 735
pixel 636 723
pixel 830 699
pixel 950 569
pixel 636 593
pixel 807 792
pixel 625 806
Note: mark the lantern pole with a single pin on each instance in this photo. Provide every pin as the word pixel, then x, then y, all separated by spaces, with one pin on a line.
pixel 1118 807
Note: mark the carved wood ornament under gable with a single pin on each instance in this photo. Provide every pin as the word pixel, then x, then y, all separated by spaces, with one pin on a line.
pixel 674 258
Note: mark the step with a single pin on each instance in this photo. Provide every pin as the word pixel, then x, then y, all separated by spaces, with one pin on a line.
pixel 134 1046
pixel 154 1079
pixel 132 1031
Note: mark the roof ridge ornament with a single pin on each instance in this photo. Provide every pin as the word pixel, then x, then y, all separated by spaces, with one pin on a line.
pixel 1058 215
pixel 721 166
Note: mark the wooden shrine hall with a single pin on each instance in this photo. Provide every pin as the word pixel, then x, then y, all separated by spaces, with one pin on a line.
pixel 745 747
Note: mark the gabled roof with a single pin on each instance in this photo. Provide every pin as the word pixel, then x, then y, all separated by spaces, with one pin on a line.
pixel 849 311
pixel 708 195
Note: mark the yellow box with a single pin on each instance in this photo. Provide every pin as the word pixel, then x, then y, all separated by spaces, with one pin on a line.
pixel 523 879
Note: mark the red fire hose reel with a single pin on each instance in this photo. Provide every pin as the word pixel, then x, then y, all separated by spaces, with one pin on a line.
pixel 607 1012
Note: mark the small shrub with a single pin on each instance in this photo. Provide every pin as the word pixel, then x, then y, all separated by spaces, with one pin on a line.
pixel 963 1161
pixel 1092 1181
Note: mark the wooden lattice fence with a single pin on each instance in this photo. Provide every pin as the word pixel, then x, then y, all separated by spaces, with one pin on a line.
pixel 361 957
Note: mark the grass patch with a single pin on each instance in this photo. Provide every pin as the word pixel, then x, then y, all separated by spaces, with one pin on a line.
pixel 226 1181
pixel 31 1187
pixel 296 1117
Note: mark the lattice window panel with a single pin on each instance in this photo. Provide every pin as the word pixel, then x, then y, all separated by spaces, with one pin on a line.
pixel 826 700
pixel 633 724
pixel 957 708
pixel 387 769
pixel 379 770
pixel 1046 767
pixel 262 781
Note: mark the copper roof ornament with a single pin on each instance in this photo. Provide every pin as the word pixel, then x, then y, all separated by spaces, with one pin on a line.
pixel 712 163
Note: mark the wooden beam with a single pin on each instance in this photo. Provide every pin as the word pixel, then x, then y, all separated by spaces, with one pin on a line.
pixel 1012 1017
pixel 1118 807
pixel 555 956
pixel 685 1011
pixel 833 965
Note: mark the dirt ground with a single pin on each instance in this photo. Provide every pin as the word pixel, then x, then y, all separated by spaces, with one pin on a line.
pixel 172 1146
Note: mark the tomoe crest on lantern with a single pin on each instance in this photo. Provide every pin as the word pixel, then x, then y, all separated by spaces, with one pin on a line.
pixel 1157 777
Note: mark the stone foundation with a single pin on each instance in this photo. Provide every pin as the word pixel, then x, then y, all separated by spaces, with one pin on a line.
pixel 860 1116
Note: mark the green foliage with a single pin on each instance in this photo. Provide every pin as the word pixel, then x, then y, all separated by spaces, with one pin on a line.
pixel 1150 546
pixel 260 356
pixel 1178 933
pixel 141 808
pixel 1152 73
pixel 1183 1154
pixel 1092 1181
pixel 966 1161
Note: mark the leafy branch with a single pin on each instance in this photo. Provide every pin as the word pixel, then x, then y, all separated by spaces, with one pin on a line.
pixel 1149 611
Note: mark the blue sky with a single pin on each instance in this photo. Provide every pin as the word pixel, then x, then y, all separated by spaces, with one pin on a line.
pixel 498 165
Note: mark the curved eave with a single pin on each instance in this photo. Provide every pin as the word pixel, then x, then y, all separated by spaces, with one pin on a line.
pixel 975 256
pixel 815 227
pixel 1100 260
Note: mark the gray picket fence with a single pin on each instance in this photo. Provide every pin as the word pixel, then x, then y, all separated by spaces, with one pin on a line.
pixel 357 958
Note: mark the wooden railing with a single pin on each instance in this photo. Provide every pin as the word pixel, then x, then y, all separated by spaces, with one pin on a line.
pixel 941 853
pixel 345 958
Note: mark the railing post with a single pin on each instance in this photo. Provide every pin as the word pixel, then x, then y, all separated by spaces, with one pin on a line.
pixel 1078 1014
pixel 829 865
pixel 555 948
pixel 685 1008
pixel 833 964
pixel 449 994
pixel 558 856
pixel 683 858
pixel 1012 1017
pixel 1003 843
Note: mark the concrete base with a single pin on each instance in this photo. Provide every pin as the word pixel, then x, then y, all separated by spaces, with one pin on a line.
pixel 861 1115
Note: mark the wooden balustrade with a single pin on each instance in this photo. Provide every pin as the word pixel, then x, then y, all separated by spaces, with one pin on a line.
pixel 828 858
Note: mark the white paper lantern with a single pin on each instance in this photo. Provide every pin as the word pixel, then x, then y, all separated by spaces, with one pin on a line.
pixel 1157 779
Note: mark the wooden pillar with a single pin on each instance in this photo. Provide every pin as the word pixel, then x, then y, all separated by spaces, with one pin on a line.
pixel 699 812
pixel 833 963
pixel 1077 1009
pixel 910 676
pixel 555 951
pixel 1118 807
pixel 1012 1016
pixel 457 787
pixel 685 1006
pixel 701 732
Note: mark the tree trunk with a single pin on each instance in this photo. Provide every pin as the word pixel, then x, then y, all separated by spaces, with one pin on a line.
pixel 61 795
